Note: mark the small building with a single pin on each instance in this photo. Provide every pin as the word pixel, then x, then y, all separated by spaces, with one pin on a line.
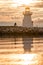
pixel 27 21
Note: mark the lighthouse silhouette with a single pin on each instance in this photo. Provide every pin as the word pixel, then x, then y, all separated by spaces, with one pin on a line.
pixel 27 21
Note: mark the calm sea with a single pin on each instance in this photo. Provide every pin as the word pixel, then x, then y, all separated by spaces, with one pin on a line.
pixel 21 50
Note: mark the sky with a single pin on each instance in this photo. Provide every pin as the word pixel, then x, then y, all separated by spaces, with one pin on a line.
pixel 12 10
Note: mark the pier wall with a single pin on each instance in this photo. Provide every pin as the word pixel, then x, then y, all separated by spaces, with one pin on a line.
pixel 16 29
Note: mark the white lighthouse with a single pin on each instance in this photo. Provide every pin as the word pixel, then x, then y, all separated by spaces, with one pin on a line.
pixel 27 21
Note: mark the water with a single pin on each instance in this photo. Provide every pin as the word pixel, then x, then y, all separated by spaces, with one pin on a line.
pixel 20 50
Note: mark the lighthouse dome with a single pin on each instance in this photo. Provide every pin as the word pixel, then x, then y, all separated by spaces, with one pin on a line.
pixel 27 8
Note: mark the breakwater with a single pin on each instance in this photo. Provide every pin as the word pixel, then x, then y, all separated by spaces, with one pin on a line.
pixel 20 30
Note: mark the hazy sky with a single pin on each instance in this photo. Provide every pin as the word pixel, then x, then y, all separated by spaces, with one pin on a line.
pixel 12 10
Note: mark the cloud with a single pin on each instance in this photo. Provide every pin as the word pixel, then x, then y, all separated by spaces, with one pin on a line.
pixel 39 4
pixel 8 13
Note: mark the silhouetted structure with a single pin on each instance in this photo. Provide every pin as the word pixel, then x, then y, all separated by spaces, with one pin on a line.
pixel 27 21
pixel 15 24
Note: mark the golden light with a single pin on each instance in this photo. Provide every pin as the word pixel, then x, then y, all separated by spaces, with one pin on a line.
pixel 21 59
pixel 24 59
pixel 2 2
pixel 15 3
pixel 20 2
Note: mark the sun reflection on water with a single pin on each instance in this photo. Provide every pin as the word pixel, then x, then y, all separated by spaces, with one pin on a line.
pixel 20 59
pixel 27 59
pixel 17 56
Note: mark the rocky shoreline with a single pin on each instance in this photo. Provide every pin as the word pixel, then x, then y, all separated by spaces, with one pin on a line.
pixel 20 30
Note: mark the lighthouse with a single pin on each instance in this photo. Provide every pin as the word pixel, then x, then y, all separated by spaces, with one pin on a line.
pixel 27 21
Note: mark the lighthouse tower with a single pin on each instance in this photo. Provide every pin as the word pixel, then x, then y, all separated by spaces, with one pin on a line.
pixel 27 21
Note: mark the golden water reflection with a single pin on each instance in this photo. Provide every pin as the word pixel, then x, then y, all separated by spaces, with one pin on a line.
pixel 21 59
pixel 21 51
